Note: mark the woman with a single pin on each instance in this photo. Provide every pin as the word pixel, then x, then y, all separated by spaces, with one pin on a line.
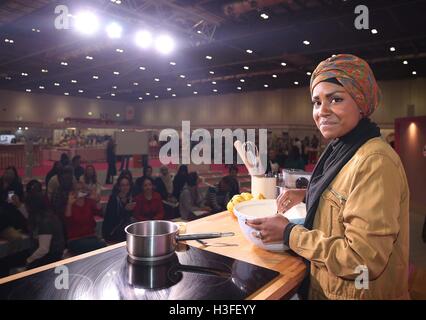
pixel 80 223
pixel 111 160
pixel 90 179
pixel 164 183
pixel 53 172
pixel 217 198
pixel 146 173
pixel 180 180
pixel 149 205
pixel 119 211
pixel 46 230
pixel 190 199
pixel 10 184
pixel 357 200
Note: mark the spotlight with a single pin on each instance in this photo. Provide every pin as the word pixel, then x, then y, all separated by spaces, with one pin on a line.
pixel 86 23
pixel 164 44
pixel 143 39
pixel 114 30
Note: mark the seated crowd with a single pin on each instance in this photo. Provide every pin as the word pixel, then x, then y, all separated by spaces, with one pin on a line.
pixel 63 218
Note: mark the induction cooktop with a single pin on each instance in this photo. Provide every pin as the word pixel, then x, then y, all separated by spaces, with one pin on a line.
pixel 189 274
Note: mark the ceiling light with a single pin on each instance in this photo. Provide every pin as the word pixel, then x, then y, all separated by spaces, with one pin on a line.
pixel 63 63
pixel 24 74
pixel 199 31
pixel 169 89
pixel 66 93
pixel 174 95
pixel 114 87
pixel 296 83
pixel 90 113
pixel 86 23
pixel 135 83
pixel 156 79
pixel 119 50
pixel 265 85
pixel 8 78
pixel 164 44
pixel 211 72
pixel 274 76
pixel 414 73
pixel 306 43
pixel 44 70
pixel 147 94
pixel 308 73
pixel 209 57
pixel 249 51
pixel 238 88
pixel 112 94
pixel 80 91
pixel 172 63
pixel 283 64
pixel 142 68
pixel 392 49
pixel 74 81
pixel 56 84
pixel 214 90
pixel 242 80
pixel 116 73
pixel 182 76
pixel 117 115
pixel 26 128
pixel 188 85
pixel 195 92
pixel 28 90
pixel 156 97
pixel 98 97
pixel 8 40
pixel 89 57
pixel 114 30
pixel 140 98
pixel 41 87
pixel 213 82
pixel 143 39
pixel 122 130
pixel 95 77
pixel 246 67
pixel 405 62
pixel 264 16
pixel 374 31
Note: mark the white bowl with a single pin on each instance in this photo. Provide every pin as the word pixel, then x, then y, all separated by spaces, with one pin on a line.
pixel 253 209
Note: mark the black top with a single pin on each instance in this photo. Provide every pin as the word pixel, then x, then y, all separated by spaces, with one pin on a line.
pixel 116 219
pixel 78 172
pixel 50 224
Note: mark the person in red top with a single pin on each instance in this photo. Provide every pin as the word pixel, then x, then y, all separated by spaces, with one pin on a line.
pixel 80 224
pixel 149 205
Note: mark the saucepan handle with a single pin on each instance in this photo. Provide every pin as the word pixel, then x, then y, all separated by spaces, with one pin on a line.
pixel 197 236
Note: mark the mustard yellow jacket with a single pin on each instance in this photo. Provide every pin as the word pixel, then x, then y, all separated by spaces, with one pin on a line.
pixel 361 230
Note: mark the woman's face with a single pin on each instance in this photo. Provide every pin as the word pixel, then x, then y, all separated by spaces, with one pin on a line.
pixel 149 172
pixel 147 186
pixel 90 172
pixel 124 186
pixel 334 111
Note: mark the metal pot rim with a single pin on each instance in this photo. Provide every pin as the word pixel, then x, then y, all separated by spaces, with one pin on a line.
pixel 154 235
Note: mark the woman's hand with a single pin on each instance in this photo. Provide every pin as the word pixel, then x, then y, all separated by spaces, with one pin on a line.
pixel 72 198
pixel 290 198
pixel 271 229
pixel 130 206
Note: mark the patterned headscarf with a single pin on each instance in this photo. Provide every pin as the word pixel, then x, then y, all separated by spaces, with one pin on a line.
pixel 355 75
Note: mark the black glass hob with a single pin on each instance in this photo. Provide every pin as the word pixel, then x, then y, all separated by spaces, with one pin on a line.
pixel 189 274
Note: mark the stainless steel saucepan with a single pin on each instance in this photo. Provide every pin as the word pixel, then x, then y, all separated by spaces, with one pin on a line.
pixel 157 239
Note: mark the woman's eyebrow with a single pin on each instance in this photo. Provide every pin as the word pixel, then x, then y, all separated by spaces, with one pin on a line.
pixel 329 94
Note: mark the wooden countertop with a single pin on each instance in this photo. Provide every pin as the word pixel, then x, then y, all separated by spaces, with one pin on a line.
pixel 291 268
